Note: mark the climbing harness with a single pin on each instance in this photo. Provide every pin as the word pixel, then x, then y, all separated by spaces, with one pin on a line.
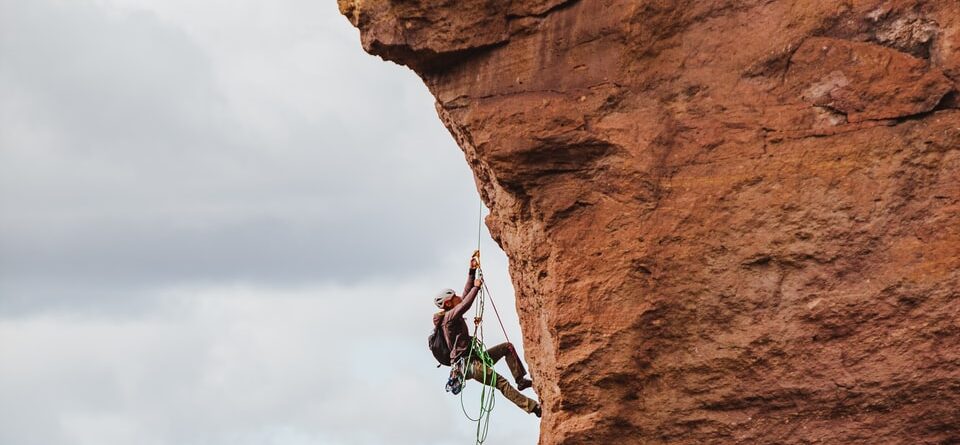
pixel 478 351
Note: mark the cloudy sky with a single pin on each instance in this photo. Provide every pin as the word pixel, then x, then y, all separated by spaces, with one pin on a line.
pixel 221 222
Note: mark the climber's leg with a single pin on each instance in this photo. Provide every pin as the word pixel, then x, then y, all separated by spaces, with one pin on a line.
pixel 481 373
pixel 506 350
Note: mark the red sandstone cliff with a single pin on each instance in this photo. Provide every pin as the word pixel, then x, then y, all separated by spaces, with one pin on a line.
pixel 728 221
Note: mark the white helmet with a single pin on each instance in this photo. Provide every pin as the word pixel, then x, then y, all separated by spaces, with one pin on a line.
pixel 444 296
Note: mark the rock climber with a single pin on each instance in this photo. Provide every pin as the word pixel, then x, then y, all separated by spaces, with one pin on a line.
pixel 450 324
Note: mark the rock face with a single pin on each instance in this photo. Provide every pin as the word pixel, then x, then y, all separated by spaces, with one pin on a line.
pixel 728 221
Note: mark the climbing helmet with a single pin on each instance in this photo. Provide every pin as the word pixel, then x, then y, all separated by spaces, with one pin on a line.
pixel 444 296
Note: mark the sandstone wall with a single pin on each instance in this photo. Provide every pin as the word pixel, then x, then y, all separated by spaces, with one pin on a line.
pixel 728 221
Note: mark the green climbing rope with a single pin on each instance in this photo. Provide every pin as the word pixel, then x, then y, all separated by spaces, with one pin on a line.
pixel 487 400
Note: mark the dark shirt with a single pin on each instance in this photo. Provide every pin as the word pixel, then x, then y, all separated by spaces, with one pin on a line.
pixel 455 329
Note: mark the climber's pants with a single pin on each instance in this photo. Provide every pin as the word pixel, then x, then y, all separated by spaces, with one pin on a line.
pixel 506 351
pixel 486 375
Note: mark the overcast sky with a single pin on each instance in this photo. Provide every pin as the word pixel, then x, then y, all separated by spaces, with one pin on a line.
pixel 221 222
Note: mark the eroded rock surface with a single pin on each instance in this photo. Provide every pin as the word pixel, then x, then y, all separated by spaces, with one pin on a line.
pixel 728 221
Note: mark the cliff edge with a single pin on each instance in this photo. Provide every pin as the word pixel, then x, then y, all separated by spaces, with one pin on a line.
pixel 727 221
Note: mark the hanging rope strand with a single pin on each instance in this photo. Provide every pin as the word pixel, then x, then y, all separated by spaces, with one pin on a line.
pixel 479 224
pixel 479 270
pixel 496 312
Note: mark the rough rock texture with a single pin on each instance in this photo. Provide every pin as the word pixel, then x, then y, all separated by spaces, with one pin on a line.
pixel 728 221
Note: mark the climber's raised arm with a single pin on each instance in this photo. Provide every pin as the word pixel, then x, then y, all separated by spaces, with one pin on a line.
pixel 468 296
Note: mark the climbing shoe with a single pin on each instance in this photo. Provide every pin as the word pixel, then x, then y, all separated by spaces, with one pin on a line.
pixel 536 410
pixel 524 383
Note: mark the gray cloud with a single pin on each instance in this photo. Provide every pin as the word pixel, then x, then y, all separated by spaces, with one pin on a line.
pixel 135 153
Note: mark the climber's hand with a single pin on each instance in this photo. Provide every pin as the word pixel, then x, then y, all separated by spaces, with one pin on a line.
pixel 475 259
pixel 478 282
